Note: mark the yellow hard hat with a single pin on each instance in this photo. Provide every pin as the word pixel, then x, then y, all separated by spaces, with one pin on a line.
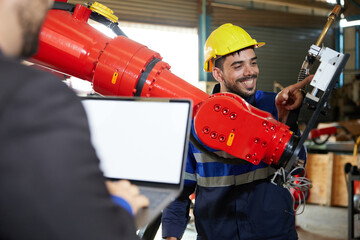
pixel 224 40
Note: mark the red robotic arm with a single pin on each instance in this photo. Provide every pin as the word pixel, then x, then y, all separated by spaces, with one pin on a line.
pixel 123 67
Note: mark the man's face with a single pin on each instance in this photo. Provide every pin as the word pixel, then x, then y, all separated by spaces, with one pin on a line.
pixel 31 14
pixel 240 72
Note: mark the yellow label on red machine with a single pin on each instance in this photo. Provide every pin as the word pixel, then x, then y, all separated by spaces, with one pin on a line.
pixel 114 78
pixel 230 139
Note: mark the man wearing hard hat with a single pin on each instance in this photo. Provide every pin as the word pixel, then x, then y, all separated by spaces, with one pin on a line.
pixel 236 201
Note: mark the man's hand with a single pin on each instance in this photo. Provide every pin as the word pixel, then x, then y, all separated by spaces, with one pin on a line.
pixel 129 193
pixel 290 98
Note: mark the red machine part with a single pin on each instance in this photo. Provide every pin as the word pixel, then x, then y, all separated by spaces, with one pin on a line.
pixel 257 133
pixel 69 44
pixel 122 67
pixel 316 133
pixel 356 187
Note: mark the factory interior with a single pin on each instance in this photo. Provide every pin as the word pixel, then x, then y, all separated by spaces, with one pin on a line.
pixel 160 44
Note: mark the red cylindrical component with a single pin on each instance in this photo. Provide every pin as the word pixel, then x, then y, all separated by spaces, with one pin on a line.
pixel 82 13
pixel 65 45
pixel 70 45
pixel 120 66
pixel 163 83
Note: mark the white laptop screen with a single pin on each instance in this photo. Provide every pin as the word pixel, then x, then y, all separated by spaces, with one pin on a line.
pixel 139 140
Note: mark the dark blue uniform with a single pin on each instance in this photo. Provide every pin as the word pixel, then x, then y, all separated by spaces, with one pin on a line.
pixel 233 201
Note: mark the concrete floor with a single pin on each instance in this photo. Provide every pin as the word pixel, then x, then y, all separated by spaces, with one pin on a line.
pixel 328 222
pixel 316 222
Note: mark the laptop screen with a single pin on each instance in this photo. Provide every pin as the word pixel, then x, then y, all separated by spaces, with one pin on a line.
pixel 140 140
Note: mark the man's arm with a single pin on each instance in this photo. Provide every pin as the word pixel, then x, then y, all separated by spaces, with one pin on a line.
pixel 290 98
pixel 175 217
pixel 122 191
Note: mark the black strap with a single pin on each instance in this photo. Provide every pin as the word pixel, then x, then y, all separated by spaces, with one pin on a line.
pixel 292 120
pixel 144 75
pixel 107 23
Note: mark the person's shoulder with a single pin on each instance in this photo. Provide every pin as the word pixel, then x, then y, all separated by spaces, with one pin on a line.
pixel 14 66
pixel 266 101
pixel 15 71
pixel 14 74
pixel 11 68
pixel 263 94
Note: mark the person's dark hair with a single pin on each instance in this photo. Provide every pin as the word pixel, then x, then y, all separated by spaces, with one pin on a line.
pixel 219 63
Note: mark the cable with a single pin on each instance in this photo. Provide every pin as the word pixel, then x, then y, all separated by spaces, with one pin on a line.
pixel 94 16
pixel 301 185
pixel 107 23
pixel 347 132
pixel 318 142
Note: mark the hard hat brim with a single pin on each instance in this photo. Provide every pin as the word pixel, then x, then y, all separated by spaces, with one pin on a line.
pixel 209 65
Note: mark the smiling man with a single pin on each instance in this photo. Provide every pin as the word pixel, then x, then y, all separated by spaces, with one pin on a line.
pixel 234 202
pixel 237 72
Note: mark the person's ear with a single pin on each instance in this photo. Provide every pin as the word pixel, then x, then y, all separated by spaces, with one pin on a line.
pixel 218 74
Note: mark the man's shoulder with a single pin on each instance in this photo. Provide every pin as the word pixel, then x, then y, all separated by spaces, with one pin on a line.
pixel 264 95
pixel 20 81
pixel 266 101
pixel 12 71
pixel 16 75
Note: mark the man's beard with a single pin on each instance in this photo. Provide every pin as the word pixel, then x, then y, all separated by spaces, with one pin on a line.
pixel 236 90
pixel 31 42
pixel 30 26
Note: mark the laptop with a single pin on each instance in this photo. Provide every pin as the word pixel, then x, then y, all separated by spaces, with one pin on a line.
pixel 143 140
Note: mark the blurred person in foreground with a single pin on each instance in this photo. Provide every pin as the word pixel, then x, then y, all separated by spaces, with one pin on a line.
pixel 50 182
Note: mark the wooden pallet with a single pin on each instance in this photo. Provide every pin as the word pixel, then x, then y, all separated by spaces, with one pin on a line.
pixel 326 172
